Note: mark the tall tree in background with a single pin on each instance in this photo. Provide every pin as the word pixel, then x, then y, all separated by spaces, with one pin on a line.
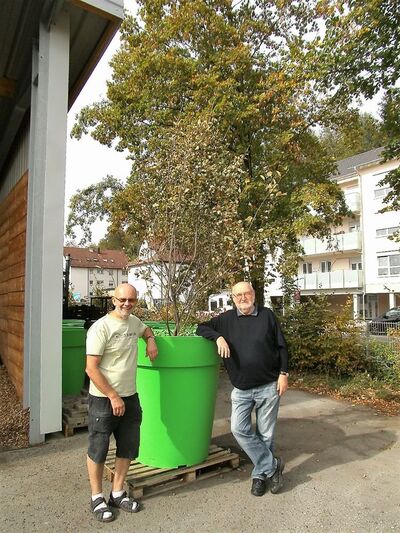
pixel 251 65
pixel 360 49
pixel 390 112
pixel 356 134
pixel 360 56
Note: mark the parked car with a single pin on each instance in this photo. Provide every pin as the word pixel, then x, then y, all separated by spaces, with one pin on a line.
pixel 380 324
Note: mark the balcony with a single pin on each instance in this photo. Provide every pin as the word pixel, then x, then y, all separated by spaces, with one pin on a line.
pixel 338 279
pixel 353 201
pixel 345 242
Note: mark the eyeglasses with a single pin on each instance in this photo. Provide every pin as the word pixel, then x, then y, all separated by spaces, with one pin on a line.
pixel 126 300
pixel 241 295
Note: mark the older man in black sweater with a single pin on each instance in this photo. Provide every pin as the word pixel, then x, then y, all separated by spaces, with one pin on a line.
pixel 253 348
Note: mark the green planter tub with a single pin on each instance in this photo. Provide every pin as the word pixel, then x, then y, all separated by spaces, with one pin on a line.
pixel 177 392
pixel 73 356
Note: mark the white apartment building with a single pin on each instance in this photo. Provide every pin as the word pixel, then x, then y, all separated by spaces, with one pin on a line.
pixel 360 261
pixel 94 271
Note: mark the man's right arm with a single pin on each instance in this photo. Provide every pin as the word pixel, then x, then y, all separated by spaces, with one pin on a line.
pixel 102 384
pixel 209 331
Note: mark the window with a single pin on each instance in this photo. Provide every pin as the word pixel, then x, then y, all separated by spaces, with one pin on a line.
pixel 99 270
pixel 111 283
pixel 389 265
pixel 326 266
pixel 91 282
pixel 385 232
pixel 381 193
pixel 355 226
pixel 356 266
pixel 307 268
pixel 125 271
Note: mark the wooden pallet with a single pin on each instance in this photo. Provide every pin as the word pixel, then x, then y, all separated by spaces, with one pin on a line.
pixel 145 480
pixel 74 414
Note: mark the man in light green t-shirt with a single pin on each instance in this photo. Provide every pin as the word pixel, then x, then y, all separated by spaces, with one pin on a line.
pixel 114 405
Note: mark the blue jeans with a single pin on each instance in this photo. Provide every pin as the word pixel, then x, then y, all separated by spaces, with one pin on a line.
pixel 258 443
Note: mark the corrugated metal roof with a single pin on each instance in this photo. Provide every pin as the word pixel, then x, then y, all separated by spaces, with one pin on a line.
pixel 93 23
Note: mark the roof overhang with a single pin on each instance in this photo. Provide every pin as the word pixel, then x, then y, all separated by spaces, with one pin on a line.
pixel 93 23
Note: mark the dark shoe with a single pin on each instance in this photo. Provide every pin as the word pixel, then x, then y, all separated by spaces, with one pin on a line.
pixel 276 480
pixel 258 486
pixel 99 513
pixel 123 502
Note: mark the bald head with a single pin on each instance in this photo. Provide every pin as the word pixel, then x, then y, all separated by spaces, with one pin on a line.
pixel 242 286
pixel 124 299
pixel 125 290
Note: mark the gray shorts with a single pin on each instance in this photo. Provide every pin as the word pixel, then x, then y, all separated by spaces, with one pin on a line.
pixel 126 428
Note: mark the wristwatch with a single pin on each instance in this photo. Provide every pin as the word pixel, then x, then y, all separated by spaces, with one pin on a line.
pixel 284 373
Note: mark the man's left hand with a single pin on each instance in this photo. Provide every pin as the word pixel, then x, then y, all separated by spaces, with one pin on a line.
pixel 151 349
pixel 283 384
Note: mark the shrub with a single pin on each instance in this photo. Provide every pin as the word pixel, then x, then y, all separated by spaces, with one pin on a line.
pixel 383 360
pixel 322 340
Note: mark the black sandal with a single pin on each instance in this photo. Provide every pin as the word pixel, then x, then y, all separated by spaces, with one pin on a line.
pixel 99 513
pixel 123 502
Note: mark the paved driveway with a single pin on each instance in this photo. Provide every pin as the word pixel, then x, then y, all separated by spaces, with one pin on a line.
pixel 342 475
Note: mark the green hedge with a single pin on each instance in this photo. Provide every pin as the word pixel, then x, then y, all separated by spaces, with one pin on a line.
pixel 323 340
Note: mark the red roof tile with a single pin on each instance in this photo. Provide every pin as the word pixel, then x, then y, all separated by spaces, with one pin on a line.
pixel 92 257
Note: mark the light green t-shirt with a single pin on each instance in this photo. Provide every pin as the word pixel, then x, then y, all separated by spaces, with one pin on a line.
pixel 115 341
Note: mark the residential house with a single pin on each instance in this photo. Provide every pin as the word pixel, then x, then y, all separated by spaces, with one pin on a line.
pixel 360 261
pixel 94 271
pixel 221 301
pixel 48 50
pixel 150 273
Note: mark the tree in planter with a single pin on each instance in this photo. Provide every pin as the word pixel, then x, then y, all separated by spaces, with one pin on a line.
pixel 185 201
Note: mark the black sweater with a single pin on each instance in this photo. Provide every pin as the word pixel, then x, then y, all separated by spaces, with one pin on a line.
pixel 257 345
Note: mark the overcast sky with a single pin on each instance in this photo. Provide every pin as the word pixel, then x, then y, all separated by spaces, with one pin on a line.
pixel 87 160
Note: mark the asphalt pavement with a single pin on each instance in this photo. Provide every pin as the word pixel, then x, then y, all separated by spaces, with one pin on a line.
pixel 342 475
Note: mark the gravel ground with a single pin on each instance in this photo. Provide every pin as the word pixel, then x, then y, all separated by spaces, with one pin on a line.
pixel 14 420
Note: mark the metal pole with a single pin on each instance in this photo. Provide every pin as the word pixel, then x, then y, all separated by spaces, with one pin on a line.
pixel 66 283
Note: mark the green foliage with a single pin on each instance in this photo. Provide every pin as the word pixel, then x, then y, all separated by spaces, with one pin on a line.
pixel 89 205
pixel 251 66
pixel 384 360
pixel 356 134
pixel 361 46
pixel 360 56
pixel 185 199
pixel 322 340
pixel 118 239
pixel 390 111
